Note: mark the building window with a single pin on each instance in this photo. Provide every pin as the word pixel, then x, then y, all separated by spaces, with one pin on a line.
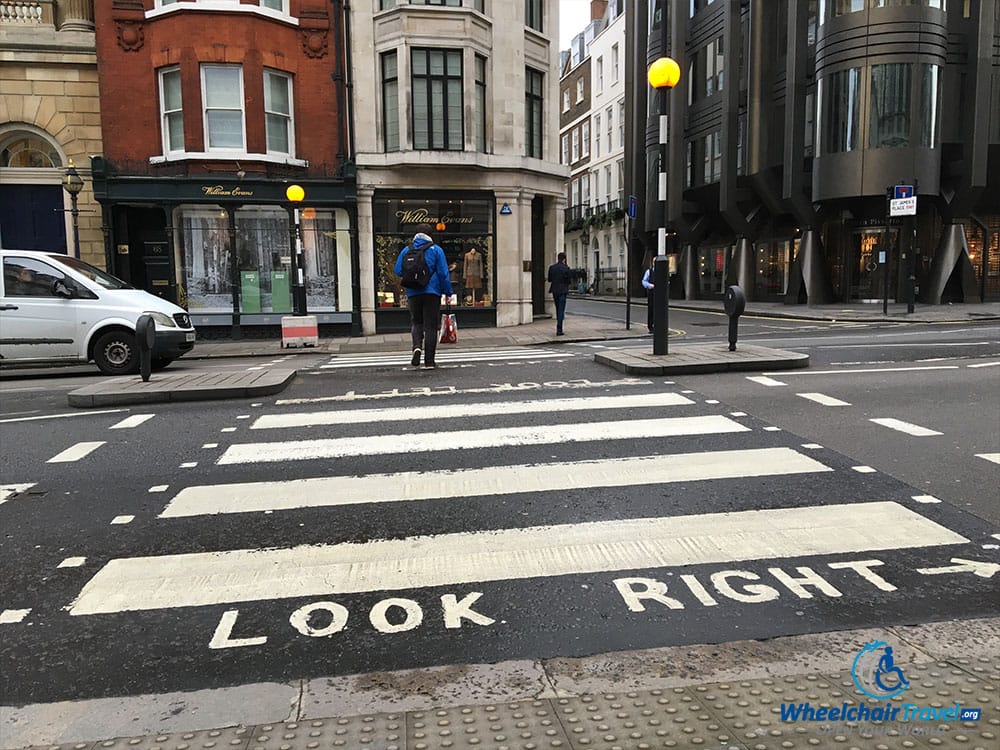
pixel 222 94
pixel 278 112
pixel 810 124
pixel 889 118
pixel 576 146
pixel 278 5
pixel 585 189
pixel 930 97
pixel 437 99
pixel 533 113
pixel 585 139
pixel 839 96
pixel 597 134
pixel 579 90
pixel 609 113
pixel 600 74
pixel 565 101
pixel 607 183
pixel 533 14
pixel 621 124
pixel 689 165
pixel 171 110
pixel 390 101
pixel 480 112
pixel 614 63
pixel 565 149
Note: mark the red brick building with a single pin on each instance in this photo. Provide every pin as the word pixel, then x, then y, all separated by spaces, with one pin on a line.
pixel 210 110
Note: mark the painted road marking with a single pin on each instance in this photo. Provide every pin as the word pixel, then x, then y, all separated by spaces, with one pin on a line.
pixel 909 429
pixel 446 411
pixel 210 578
pixel 985 364
pixel 994 457
pixel 820 398
pixel 929 499
pixel 159 488
pixel 75 452
pixel 9 490
pixel 872 369
pixel 373 445
pixel 122 519
pixel 72 562
pixel 134 421
pixel 764 380
pixel 60 416
pixel 367 360
pixel 497 480
pixel 10 616
pixel 864 469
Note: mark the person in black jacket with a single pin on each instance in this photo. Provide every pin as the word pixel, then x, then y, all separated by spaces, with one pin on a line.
pixel 559 279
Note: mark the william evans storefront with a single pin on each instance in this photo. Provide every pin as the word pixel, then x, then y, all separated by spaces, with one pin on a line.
pixel 222 248
pixel 464 229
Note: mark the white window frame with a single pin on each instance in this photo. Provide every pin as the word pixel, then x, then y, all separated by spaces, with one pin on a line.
pixel 597 135
pixel 204 109
pixel 600 74
pixel 575 154
pixel 164 7
pixel 607 183
pixel 585 139
pixel 164 126
pixel 621 123
pixel 614 63
pixel 291 111
pixel 565 148
pixel 565 101
pixel 579 90
pixel 610 113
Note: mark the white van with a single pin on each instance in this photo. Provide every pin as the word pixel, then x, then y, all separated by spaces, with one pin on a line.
pixel 54 308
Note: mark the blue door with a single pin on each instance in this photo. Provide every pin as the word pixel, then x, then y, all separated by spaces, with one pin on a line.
pixel 32 217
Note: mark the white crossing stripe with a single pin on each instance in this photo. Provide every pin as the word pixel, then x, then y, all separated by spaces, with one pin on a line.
pixel 75 452
pixel 317 492
pixel 764 380
pixel 134 421
pixel 210 578
pixel 9 490
pixel 985 364
pixel 10 616
pixel 444 411
pixel 994 457
pixel 442 355
pixel 909 429
pixel 373 445
pixel 823 399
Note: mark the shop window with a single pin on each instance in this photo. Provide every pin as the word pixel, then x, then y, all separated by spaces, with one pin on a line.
pixel 171 110
pixel 390 101
pixel 839 95
pixel 203 234
pixel 533 113
pixel 479 115
pixel 930 98
pixel 712 269
pixel 222 95
pixel 533 14
pixel 437 99
pixel 278 112
pixel 773 260
pixel 889 118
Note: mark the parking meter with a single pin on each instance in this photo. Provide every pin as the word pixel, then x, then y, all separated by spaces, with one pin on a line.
pixel 145 337
pixel 735 303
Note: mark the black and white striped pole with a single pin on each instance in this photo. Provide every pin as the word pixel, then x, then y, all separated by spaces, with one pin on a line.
pixel 663 75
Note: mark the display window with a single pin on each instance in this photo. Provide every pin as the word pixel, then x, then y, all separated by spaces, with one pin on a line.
pixel 463 229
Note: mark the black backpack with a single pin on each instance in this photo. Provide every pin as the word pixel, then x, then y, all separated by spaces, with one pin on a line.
pixel 415 274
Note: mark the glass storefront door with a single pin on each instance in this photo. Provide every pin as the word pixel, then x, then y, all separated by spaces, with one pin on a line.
pixel 867 274
pixel 712 270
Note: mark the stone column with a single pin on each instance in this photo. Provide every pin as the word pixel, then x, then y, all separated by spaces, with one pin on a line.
pixel 513 248
pixel 366 261
pixel 76 15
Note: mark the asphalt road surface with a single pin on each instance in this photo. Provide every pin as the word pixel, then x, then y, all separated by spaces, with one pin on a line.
pixel 518 504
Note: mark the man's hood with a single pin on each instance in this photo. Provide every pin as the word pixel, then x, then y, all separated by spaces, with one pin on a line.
pixel 421 240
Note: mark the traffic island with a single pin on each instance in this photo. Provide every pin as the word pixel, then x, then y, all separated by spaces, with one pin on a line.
pixel 702 358
pixel 195 386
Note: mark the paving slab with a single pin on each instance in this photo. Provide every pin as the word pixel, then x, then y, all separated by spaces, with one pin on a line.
pixel 686 359
pixel 193 386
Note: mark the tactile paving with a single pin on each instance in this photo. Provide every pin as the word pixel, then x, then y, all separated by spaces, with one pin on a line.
pixel 232 738
pixel 527 725
pixel 368 732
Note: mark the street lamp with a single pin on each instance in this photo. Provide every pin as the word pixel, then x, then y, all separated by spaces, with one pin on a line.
pixel 585 241
pixel 73 183
pixel 295 195
pixel 663 75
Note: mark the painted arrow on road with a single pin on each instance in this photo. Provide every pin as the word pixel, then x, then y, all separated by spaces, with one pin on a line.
pixel 976 567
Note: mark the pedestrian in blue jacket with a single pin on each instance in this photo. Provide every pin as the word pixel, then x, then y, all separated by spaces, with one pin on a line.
pixel 425 303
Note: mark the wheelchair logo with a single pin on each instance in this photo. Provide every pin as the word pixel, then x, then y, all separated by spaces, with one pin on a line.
pixel 875 673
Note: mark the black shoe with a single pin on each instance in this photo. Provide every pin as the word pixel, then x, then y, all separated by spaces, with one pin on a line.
pixel 429 366
pixel 560 333
pixel 415 359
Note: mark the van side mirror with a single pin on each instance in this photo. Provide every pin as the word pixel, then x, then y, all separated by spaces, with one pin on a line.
pixel 60 289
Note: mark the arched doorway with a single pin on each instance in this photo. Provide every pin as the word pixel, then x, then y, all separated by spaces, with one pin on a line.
pixel 32 204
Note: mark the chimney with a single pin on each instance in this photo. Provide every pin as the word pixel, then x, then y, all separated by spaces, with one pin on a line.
pixel 597 9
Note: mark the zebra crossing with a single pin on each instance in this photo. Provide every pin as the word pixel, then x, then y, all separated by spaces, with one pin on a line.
pixel 358 538
pixel 447 357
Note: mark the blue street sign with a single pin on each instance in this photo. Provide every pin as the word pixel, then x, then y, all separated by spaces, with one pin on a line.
pixel 633 206
pixel 505 210
pixel 902 191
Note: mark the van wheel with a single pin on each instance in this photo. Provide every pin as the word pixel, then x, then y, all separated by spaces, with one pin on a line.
pixel 115 353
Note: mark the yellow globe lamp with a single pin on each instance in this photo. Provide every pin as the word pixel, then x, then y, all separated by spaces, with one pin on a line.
pixel 295 193
pixel 664 73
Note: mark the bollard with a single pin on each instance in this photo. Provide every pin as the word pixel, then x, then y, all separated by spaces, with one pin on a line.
pixel 735 303
pixel 661 304
pixel 145 337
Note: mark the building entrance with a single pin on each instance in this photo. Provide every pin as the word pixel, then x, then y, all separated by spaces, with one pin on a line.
pixel 866 274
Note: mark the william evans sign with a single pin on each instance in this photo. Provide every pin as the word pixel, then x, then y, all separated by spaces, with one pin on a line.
pixel 459 215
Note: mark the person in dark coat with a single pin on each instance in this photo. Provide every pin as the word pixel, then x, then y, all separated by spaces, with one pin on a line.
pixel 559 279
pixel 647 284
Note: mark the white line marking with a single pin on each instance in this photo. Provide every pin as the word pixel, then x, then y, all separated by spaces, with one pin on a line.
pixel 60 416
pixel 764 380
pixel 812 446
pixel 75 452
pixel 122 519
pixel 159 488
pixel 9 490
pixel 711 401
pixel 72 562
pixel 874 369
pixel 886 346
pixel 446 411
pixel 864 469
pixel 909 429
pixel 228 429
pixel 994 457
pixel 210 578
pixel 772 428
pixel 134 421
pixel 820 398
pixel 210 445
pixel 10 616
pixel 737 413
pixel 515 355
pixel 189 465
pixel 373 445
pixel 243 416
pixel 985 364
pixel 995 536
pixel 500 480
pixel 926 499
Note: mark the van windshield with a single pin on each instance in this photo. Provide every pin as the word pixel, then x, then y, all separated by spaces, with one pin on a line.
pixel 96 275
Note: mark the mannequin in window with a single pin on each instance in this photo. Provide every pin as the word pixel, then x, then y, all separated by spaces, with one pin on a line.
pixel 472 271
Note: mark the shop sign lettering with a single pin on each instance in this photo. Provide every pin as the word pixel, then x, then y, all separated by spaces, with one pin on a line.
pixel 423 216
pixel 221 191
